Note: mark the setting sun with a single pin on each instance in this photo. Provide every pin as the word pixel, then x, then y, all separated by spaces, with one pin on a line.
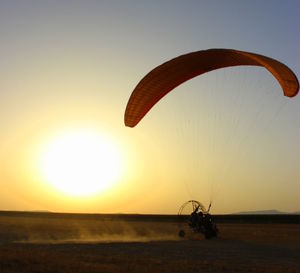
pixel 81 163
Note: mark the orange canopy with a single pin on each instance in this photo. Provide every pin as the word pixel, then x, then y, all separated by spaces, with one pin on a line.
pixel 164 78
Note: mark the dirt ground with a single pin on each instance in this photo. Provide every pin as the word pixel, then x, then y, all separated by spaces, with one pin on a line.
pixel 40 244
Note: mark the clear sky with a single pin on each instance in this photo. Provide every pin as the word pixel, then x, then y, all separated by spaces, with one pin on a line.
pixel 67 69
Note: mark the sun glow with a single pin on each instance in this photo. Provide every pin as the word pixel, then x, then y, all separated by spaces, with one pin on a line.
pixel 81 163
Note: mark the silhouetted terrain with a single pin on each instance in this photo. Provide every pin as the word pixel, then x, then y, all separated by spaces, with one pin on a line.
pixel 56 242
pixel 266 212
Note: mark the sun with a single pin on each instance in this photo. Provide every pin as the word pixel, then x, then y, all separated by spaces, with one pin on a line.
pixel 81 163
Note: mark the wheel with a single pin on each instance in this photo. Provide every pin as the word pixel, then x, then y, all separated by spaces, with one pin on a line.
pixel 181 233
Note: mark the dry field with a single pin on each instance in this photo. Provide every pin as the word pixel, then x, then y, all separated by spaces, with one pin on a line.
pixel 43 242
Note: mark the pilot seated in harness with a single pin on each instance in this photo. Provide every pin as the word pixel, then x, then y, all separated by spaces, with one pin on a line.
pixel 203 222
pixel 193 221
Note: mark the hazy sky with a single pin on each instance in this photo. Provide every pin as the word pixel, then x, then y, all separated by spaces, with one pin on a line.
pixel 229 137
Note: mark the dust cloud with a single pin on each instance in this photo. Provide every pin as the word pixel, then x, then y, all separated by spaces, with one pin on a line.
pixel 64 230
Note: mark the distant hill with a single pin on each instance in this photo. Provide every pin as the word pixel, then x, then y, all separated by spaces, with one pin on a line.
pixel 266 212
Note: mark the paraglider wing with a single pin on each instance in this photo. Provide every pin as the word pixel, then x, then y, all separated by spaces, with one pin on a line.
pixel 164 78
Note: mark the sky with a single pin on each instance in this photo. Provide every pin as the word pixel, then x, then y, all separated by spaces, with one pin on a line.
pixel 68 68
